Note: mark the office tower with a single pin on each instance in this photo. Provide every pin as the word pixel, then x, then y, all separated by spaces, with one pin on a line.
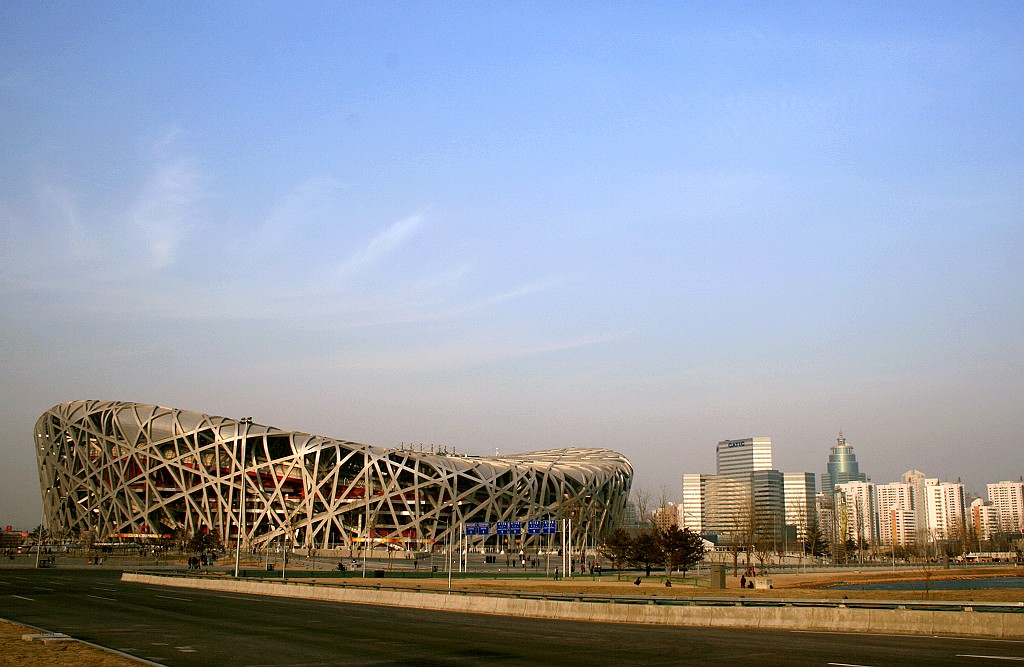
pixel 801 508
pixel 860 511
pixel 769 505
pixel 894 498
pixel 739 458
pixel 691 510
pixel 842 466
pixel 728 508
pixel 1008 498
pixel 946 516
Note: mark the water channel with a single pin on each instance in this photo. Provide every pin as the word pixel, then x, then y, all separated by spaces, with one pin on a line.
pixel 937 585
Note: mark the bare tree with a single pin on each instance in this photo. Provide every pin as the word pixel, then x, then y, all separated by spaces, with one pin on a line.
pixel 764 541
pixel 642 501
pixel 745 531
pixel 617 548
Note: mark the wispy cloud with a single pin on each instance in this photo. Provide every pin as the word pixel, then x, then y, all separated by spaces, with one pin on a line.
pixel 306 204
pixel 380 246
pixel 163 211
pixel 82 246
pixel 469 353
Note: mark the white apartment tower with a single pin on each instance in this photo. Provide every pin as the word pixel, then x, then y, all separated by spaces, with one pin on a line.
pixel 860 511
pixel 894 501
pixel 916 480
pixel 1008 498
pixel 985 520
pixel 947 519
pixel 902 527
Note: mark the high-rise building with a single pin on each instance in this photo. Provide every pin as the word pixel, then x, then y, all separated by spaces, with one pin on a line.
pixel 801 508
pixel 665 517
pixel 918 502
pixel 985 520
pixel 1008 498
pixel 728 508
pixel 691 510
pixel 768 490
pixel 739 458
pixel 842 466
pixel 947 519
pixel 860 511
pixel 902 527
pixel 745 502
pixel 896 497
pixel 825 504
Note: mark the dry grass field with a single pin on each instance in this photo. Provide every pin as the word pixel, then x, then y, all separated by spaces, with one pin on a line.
pixel 16 651
pixel 803 586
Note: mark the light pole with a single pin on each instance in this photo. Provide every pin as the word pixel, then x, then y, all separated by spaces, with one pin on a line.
pixel 448 557
pixel 366 500
pixel 245 422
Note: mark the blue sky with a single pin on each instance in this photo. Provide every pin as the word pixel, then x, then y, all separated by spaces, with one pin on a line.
pixel 521 226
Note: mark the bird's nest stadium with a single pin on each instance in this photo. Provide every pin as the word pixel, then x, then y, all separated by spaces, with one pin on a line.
pixel 130 471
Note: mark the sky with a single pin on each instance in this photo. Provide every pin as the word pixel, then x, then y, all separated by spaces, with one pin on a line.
pixel 520 226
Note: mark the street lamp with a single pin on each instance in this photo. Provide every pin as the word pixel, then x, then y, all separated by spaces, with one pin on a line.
pixel 245 422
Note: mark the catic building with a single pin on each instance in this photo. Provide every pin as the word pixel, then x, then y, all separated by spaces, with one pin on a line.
pixel 748 500
pixel 130 470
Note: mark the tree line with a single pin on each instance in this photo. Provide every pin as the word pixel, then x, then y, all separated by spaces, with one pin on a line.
pixel 674 548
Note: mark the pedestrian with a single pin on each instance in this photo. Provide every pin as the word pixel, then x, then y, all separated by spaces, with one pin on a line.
pixel 668 583
pixel 637 582
pixel 743 581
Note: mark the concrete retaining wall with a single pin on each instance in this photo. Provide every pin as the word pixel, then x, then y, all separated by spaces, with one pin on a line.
pixel 897 621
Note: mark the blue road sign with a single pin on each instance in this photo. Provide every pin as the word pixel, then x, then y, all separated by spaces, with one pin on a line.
pixel 550 527
pixel 533 527
pixel 503 527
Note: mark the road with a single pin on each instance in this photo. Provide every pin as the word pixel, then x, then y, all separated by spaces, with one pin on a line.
pixel 186 628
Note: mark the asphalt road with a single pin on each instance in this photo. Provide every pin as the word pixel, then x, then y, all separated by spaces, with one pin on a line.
pixel 186 628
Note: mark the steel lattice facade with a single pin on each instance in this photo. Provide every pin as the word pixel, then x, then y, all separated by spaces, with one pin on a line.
pixel 130 470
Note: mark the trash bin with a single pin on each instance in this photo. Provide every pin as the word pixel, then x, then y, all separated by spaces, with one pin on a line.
pixel 433 568
pixel 270 567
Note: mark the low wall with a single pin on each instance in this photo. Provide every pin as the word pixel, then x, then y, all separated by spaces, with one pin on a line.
pixel 842 619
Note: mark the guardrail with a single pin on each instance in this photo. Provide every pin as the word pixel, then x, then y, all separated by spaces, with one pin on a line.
pixel 652 599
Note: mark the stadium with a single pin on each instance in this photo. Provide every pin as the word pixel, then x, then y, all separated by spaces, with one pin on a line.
pixel 136 472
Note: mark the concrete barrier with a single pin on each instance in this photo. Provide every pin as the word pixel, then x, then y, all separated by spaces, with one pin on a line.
pixel 842 619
